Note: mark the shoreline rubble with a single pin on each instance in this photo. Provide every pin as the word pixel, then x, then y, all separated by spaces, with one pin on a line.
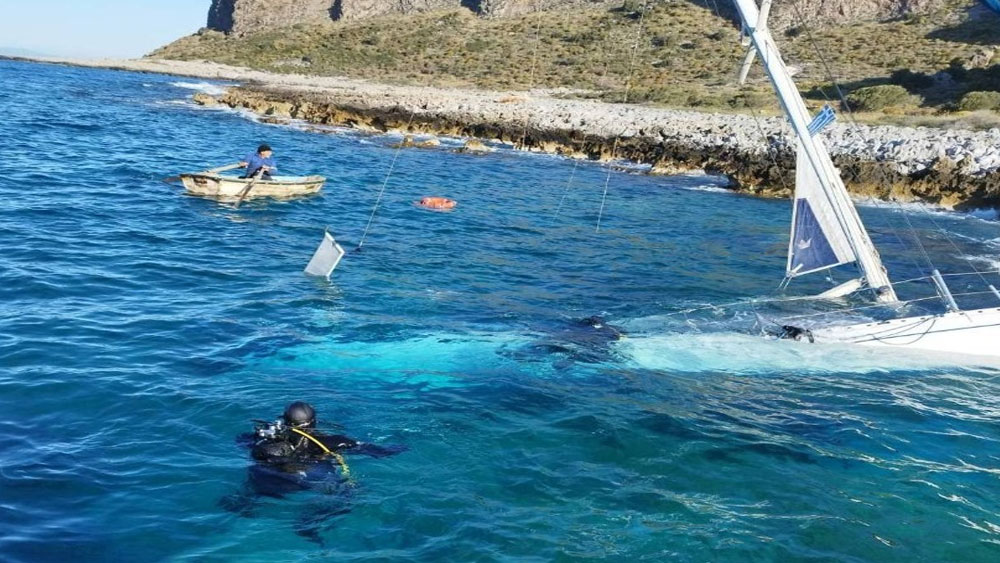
pixel 957 169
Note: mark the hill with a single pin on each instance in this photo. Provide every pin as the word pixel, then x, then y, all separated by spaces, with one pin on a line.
pixel 673 53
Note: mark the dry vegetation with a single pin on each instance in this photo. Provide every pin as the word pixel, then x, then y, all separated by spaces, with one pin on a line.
pixel 686 55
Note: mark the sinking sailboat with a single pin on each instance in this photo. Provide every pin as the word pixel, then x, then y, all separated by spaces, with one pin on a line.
pixel 827 232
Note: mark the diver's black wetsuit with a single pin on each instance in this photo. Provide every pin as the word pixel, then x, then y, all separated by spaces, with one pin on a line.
pixel 291 447
pixel 289 462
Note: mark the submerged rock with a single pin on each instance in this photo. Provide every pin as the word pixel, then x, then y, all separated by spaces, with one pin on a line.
pixel 475 146
pixel 409 142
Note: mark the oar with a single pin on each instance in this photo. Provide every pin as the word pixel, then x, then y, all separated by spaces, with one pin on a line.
pixel 247 189
pixel 235 165
pixel 232 166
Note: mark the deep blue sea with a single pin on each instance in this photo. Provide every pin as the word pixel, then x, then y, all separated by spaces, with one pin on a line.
pixel 142 329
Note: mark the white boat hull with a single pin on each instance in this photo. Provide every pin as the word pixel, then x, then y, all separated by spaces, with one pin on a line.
pixel 230 187
pixel 975 332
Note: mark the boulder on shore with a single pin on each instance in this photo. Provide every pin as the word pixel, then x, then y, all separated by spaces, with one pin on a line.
pixel 207 100
pixel 475 146
pixel 409 142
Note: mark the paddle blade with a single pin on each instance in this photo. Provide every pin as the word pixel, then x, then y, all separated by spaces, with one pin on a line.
pixel 326 258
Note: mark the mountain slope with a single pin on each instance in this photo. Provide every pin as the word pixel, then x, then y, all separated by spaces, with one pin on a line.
pixel 682 54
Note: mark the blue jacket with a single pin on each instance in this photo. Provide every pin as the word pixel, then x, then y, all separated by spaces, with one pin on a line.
pixel 255 162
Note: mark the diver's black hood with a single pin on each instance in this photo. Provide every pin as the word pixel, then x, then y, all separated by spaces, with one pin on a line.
pixel 300 415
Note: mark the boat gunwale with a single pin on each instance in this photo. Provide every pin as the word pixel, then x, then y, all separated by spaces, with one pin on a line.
pixel 299 180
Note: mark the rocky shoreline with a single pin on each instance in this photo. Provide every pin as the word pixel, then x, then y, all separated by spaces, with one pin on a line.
pixel 954 169
pixel 951 168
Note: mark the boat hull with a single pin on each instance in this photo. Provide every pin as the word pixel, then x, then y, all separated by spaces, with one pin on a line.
pixel 975 332
pixel 230 187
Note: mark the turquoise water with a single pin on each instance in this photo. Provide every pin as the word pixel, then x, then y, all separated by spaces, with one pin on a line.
pixel 142 329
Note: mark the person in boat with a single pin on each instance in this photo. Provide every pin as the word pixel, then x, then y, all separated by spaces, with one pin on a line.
pixel 291 455
pixel 262 160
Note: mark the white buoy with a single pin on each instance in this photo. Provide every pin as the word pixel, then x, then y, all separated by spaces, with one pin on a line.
pixel 326 257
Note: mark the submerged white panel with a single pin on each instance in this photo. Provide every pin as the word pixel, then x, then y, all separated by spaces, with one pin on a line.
pixel 326 257
pixel 818 239
pixel 841 290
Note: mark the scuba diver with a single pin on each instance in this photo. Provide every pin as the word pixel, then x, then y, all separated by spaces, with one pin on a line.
pixel 291 455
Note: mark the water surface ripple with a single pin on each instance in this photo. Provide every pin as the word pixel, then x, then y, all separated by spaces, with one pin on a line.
pixel 141 330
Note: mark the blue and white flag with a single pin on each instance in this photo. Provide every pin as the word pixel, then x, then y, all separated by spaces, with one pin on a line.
pixel 825 117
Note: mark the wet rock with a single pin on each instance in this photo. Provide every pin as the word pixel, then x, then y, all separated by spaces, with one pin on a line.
pixel 950 168
pixel 475 146
pixel 205 100
pixel 409 142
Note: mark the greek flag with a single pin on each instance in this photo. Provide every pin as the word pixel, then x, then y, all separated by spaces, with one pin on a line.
pixel 825 117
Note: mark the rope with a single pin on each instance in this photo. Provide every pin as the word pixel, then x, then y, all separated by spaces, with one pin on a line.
pixel 628 87
pixel 381 192
pixel 635 50
pixel 607 181
pixel 531 76
pixel 569 183
pixel 934 298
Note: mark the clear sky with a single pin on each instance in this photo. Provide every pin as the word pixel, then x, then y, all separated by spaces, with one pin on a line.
pixel 98 28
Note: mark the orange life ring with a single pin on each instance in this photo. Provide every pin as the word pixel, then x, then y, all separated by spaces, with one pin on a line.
pixel 437 203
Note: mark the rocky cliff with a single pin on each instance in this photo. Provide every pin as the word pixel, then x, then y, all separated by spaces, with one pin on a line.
pixel 786 13
pixel 241 17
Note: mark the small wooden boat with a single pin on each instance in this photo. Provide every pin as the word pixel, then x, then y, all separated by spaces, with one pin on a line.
pixel 213 184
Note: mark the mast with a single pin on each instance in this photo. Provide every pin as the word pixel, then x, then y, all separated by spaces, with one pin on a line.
pixel 812 151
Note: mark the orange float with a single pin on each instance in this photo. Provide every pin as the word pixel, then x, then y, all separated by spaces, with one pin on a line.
pixel 438 203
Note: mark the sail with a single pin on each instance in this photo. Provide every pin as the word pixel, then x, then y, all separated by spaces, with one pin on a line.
pixel 818 240
pixel 826 229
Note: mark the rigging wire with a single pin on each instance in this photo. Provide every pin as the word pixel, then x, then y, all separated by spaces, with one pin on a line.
pixel 531 75
pixel 569 183
pixel 607 181
pixel 856 130
pixel 628 87
pixel 787 280
pixel 385 182
pixel 576 162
